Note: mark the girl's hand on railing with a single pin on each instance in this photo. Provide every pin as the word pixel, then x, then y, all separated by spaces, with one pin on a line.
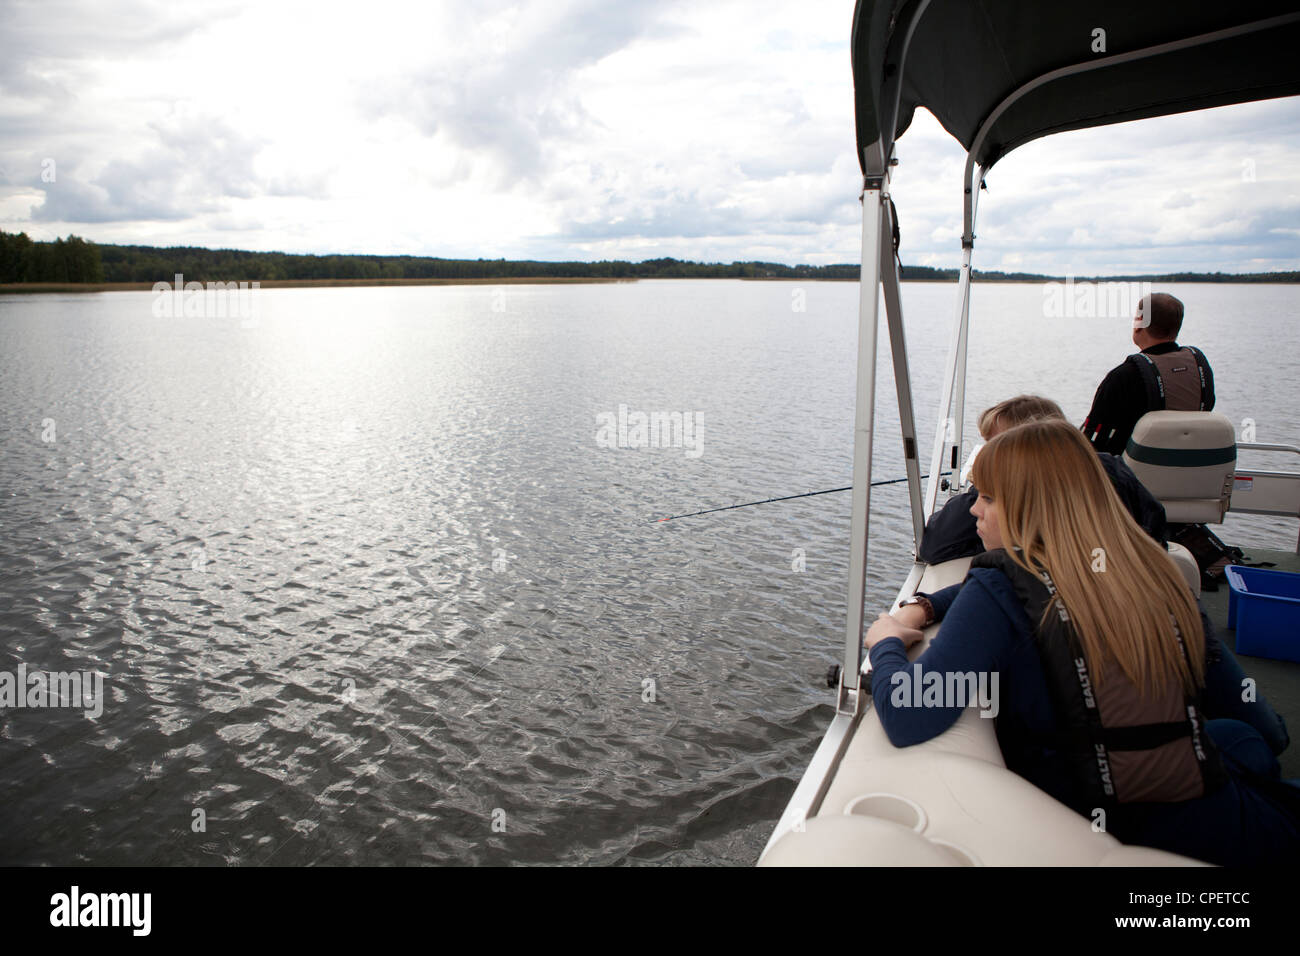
pixel 887 626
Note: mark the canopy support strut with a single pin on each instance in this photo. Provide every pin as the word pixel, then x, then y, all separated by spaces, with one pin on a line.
pixel 948 429
pixel 873 221
pixel 892 282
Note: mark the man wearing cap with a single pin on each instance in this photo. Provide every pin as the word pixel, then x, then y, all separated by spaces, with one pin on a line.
pixel 1162 376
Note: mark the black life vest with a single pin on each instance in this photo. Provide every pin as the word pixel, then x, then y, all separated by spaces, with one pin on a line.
pixel 1174 381
pixel 1159 761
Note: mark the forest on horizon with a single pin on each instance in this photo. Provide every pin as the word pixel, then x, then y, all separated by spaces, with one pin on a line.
pixel 77 260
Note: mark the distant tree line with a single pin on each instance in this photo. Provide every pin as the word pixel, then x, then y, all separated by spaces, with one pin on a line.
pixel 151 264
pixel 77 260
pixel 63 260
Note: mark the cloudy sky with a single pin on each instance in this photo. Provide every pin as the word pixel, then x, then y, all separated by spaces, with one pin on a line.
pixel 573 129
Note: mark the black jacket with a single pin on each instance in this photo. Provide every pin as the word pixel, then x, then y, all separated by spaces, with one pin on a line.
pixel 950 532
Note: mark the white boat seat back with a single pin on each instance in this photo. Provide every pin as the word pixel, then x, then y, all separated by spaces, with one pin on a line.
pixel 1186 566
pixel 1187 461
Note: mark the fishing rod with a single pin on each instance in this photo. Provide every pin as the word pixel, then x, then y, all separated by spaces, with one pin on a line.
pixel 810 494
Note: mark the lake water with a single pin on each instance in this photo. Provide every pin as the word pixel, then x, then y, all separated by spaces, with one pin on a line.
pixel 366 586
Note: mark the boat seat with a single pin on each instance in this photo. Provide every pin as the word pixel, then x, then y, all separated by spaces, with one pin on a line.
pixel 993 823
pixel 939 576
pixel 1187 461
pixel 1186 566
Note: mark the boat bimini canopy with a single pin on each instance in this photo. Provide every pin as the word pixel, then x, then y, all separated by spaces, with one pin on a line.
pixel 997 74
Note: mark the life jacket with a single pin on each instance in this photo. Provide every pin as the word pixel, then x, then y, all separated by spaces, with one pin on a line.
pixel 1118 746
pixel 1174 381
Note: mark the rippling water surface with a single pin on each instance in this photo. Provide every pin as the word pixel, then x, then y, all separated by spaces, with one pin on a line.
pixel 365 588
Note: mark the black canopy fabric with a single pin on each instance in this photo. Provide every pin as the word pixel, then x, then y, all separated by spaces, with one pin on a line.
pixel 966 57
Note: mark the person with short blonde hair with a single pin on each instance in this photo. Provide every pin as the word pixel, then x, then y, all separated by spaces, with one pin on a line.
pixel 1016 411
pixel 950 532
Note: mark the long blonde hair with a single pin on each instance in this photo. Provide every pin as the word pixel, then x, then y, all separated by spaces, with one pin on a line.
pixel 1121 590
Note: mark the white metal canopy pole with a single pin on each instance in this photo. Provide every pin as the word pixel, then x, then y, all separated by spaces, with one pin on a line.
pixel 956 437
pixel 847 700
pixel 946 436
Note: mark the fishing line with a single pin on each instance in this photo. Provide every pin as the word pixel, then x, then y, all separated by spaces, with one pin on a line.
pixel 810 494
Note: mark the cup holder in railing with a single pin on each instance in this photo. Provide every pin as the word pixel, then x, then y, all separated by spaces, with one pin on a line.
pixel 891 807
pixel 960 854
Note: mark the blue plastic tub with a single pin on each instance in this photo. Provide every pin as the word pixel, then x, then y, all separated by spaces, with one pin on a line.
pixel 1264 607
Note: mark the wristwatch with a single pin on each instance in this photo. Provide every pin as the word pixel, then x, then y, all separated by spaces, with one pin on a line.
pixel 924 603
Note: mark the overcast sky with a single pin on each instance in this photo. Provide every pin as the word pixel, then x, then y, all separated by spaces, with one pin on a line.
pixel 574 129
